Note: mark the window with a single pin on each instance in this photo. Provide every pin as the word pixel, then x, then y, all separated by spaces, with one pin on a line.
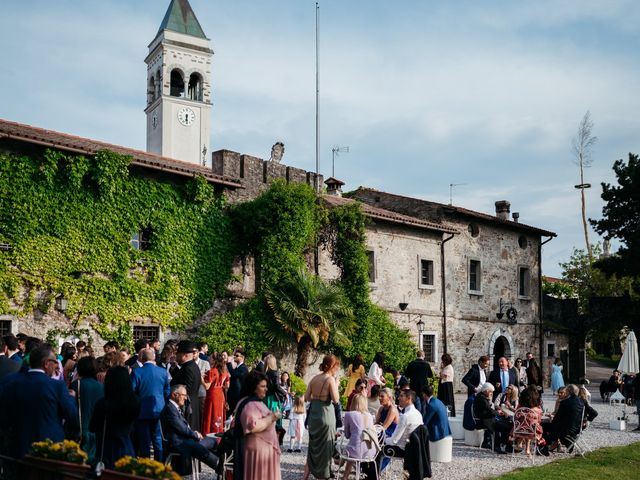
pixel 5 327
pixel 475 276
pixel 551 349
pixel 426 273
pixel 141 240
pixel 522 241
pixel 429 347
pixel 146 332
pixel 523 282
pixel 177 84
pixel 372 266
pixel 474 230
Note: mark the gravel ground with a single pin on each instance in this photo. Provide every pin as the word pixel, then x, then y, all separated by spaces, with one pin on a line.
pixel 474 463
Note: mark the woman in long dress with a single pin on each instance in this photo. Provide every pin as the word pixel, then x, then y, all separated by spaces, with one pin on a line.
pixel 376 372
pixel 354 372
pixel 216 380
pixel 556 376
pixel 445 387
pixel 113 417
pixel 257 452
pixel 276 396
pixel 322 392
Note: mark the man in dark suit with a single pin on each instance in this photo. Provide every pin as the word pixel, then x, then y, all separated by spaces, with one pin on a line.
pixel 134 361
pixel 476 376
pixel 187 373
pixel 502 377
pixel 567 421
pixel 33 405
pixel 418 372
pixel 7 366
pixel 434 415
pixel 236 377
pixel 151 384
pixel 180 436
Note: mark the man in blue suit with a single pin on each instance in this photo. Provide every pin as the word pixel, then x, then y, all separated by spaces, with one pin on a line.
pixel 151 384
pixel 179 434
pixel 435 415
pixel 33 405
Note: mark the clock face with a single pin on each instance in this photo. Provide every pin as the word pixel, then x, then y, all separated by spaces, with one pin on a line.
pixel 186 116
pixel 154 120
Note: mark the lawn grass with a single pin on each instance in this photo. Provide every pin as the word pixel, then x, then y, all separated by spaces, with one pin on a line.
pixel 611 362
pixel 615 463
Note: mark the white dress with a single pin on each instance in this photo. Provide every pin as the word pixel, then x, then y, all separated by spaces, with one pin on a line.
pixel 296 425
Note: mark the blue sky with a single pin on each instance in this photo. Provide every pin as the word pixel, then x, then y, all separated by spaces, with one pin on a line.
pixel 425 93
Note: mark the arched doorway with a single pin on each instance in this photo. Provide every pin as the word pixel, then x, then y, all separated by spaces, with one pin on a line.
pixel 500 349
pixel 500 344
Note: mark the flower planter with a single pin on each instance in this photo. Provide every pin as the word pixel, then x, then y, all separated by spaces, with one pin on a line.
pixel 114 475
pixel 37 468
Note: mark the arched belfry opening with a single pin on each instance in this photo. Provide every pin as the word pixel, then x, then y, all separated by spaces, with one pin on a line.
pixel 151 90
pixel 177 84
pixel 195 87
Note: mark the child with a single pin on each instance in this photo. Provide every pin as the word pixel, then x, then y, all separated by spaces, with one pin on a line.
pixel 296 424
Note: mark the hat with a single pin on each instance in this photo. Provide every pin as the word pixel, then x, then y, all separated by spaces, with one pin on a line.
pixel 187 346
pixel 485 387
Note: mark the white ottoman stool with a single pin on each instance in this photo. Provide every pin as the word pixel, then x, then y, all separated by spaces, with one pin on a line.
pixel 457 430
pixel 473 438
pixel 442 450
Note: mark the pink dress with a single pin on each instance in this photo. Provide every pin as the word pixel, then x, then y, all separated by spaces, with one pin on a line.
pixel 262 449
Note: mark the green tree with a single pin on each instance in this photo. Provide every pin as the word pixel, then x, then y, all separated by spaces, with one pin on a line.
pixel 621 217
pixel 587 281
pixel 311 310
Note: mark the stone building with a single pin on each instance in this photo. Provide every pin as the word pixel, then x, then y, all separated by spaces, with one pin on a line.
pixel 477 291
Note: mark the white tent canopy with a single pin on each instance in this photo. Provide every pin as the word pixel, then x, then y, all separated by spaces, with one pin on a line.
pixel 629 361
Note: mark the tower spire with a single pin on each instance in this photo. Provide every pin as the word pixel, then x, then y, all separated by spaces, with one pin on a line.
pixel 180 18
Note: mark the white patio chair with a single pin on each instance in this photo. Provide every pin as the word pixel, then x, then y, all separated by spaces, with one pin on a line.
pixel 577 443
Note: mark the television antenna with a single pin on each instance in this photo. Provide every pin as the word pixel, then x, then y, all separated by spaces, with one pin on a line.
pixel 451 185
pixel 336 151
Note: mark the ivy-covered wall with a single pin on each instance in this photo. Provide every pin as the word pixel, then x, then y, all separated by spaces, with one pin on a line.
pixel 69 220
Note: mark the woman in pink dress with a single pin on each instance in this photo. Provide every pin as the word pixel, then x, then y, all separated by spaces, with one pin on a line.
pixel 257 454
pixel 216 381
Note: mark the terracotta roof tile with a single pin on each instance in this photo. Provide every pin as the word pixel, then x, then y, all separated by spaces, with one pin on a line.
pixel 86 146
pixel 389 216
pixel 463 211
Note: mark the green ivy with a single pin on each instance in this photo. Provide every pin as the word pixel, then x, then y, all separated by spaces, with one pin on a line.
pixel 69 220
pixel 345 235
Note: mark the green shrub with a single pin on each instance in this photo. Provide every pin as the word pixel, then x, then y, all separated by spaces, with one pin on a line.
pixel 298 387
pixel 244 326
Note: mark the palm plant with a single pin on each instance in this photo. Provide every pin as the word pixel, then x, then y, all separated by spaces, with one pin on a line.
pixel 311 310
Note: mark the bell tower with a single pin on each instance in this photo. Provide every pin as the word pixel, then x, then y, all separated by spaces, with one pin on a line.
pixel 179 87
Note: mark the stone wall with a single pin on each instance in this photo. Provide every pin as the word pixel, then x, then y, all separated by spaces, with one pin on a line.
pixel 256 174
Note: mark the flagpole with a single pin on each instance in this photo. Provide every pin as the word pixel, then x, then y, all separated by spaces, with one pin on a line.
pixel 317 101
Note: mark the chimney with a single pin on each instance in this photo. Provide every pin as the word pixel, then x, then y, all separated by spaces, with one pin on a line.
pixel 515 216
pixel 503 209
pixel 334 186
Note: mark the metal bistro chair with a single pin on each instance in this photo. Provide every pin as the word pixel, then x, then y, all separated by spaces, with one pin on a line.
pixel 195 463
pixel 524 429
pixel 366 437
pixel 575 443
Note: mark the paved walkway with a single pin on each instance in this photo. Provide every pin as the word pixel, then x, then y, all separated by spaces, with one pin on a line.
pixel 474 463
